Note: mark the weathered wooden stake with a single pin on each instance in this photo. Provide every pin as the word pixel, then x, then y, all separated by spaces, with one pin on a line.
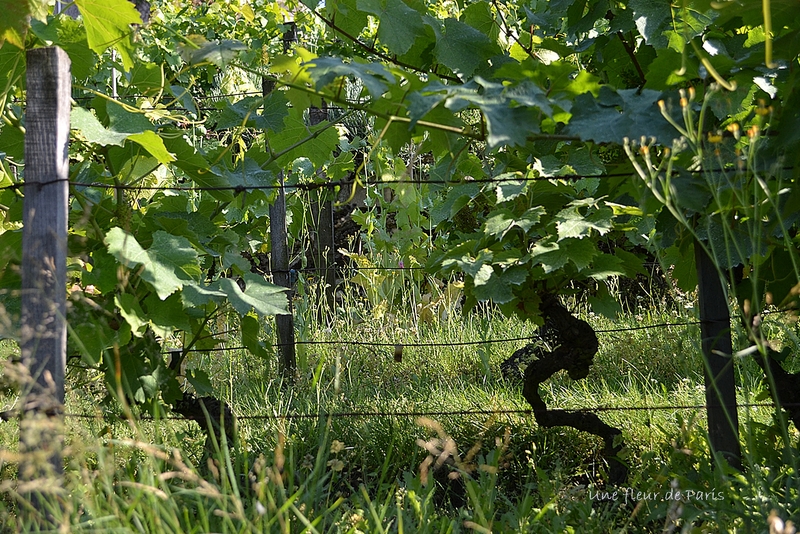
pixel 279 256
pixel 324 241
pixel 43 333
pixel 715 328
pixel 279 263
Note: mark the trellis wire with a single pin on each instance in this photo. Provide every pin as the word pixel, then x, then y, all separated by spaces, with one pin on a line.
pixel 332 184
pixel 439 413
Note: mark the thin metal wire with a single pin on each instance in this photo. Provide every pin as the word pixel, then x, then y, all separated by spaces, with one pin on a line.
pixel 338 183
pixel 445 413
pixel 355 343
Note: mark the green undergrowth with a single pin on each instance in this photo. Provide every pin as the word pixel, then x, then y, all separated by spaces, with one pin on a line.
pixel 371 437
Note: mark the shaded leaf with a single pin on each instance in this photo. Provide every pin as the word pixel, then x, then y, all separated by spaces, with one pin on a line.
pixel 218 53
pixel 259 296
pixel 90 128
pixel 554 255
pixel 614 115
pixel 462 48
pixel 167 265
pixel 374 76
pixel 399 26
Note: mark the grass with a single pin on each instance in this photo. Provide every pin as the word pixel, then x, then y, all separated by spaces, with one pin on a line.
pixel 362 473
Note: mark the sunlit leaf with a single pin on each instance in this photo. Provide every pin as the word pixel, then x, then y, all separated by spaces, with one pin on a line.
pixel 108 23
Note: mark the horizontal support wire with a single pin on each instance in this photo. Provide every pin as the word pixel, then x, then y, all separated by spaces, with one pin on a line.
pixel 442 413
pixel 329 185
pixel 351 342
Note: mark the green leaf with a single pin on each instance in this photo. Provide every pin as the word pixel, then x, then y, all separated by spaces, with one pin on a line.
pixel 200 381
pixel 346 15
pixel 12 141
pixel 399 26
pixel 148 78
pixel 153 143
pixel 259 295
pixel 497 287
pixel 463 49
pixel 92 131
pixel 606 306
pixel 107 24
pixel 652 20
pixel 121 119
pixel 196 294
pixel 374 76
pixel 245 112
pixel 125 125
pixel 671 68
pixel 614 115
pixel 298 140
pixel 167 316
pixel 605 266
pixel 195 166
pixel 132 312
pixel 457 197
pixel 630 263
pixel 219 53
pixel 167 265
pixel 251 330
pixel 573 223
pixel 510 190
pixel 479 15
pixel 92 338
pixel 549 254
pixel 12 66
pixel 15 21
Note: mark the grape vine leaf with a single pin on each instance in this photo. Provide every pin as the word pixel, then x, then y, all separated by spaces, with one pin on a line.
pixel 259 295
pixel 167 265
pixel 615 115
pixel 93 132
pixel 604 266
pixel 245 112
pixel 462 48
pixel 498 287
pixel 166 316
pixel 554 255
pixel 132 312
pixel 153 143
pixel 399 26
pixel 199 50
pixel 346 15
pixel 251 329
pixel 573 223
pixel 652 20
pixel 200 380
pixel 374 76
pixel 14 22
pixel 107 24
pixel 511 189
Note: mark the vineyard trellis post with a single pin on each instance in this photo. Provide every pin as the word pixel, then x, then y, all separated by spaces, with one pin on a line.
pixel 43 332
pixel 322 215
pixel 717 347
pixel 279 253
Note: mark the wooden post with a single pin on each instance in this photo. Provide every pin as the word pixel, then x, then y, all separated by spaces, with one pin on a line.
pixel 43 334
pixel 715 328
pixel 279 263
pixel 279 256
pixel 322 214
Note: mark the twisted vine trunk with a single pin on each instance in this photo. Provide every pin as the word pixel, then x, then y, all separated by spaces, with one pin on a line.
pixel 214 417
pixel 572 346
